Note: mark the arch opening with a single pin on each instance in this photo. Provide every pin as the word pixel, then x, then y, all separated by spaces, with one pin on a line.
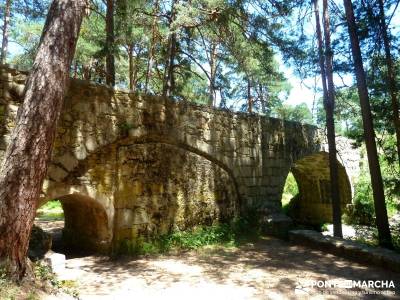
pixel 312 204
pixel 77 224
pixel 290 190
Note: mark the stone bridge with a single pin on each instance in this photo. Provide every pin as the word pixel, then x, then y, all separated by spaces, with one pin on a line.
pixel 128 166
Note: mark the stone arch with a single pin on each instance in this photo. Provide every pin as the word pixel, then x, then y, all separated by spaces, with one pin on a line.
pixel 313 203
pixel 164 186
pixel 199 148
pixel 87 227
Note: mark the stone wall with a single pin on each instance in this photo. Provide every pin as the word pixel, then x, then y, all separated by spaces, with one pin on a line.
pixel 163 187
pixel 154 164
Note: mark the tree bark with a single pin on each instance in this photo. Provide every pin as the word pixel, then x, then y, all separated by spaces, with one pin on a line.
pixel 213 73
pixel 330 125
pixel 263 99
pixel 249 97
pixel 110 44
pixel 382 222
pixel 320 52
pixel 130 59
pixel 391 77
pixel 150 62
pixel 26 160
pixel 169 78
pixel 6 22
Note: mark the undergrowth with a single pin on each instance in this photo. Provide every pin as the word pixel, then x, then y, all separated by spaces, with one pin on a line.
pixel 43 280
pixel 51 211
pixel 231 234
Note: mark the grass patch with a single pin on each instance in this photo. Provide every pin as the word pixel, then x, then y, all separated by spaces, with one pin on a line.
pixel 230 234
pixel 44 274
pixel 8 289
pixel 51 211
pixel 41 282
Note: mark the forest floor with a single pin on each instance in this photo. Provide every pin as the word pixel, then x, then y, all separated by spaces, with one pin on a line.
pixel 268 269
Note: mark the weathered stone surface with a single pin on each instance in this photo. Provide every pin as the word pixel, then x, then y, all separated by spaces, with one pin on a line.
pixel 146 165
pixel 163 187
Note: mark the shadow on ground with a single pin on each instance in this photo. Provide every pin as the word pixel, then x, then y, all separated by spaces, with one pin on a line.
pixel 268 269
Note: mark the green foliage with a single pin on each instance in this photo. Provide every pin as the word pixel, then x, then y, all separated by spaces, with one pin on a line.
pixel 199 237
pixel 222 48
pixel 291 186
pixel 227 234
pixel 323 227
pixel 290 190
pixel 180 240
pixel 26 33
pixel 298 113
pixel 51 210
pixel 362 211
pixel 88 61
pixel 44 274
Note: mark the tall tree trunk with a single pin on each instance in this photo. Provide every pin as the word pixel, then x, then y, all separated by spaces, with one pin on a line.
pixel 169 79
pixel 26 160
pixel 382 223
pixel 213 72
pixel 130 58
pixel 263 99
pixel 249 97
pixel 391 76
pixel 110 44
pixel 330 125
pixel 321 55
pixel 150 62
pixel 136 71
pixel 6 22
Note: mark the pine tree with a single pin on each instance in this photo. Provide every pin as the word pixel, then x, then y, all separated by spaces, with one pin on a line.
pixel 325 61
pixel 382 222
pixel 24 168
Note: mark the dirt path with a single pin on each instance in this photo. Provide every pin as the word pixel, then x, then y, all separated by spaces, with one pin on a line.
pixel 269 269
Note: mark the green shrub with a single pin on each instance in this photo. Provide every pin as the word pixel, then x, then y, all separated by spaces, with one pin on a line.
pixel 362 211
pixel 290 190
pixel 51 210
pixel 228 234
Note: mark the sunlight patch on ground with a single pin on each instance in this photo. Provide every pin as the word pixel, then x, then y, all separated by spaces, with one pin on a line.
pixel 268 269
pixel 177 267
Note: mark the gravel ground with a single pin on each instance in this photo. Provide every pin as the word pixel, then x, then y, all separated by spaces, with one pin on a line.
pixel 268 269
